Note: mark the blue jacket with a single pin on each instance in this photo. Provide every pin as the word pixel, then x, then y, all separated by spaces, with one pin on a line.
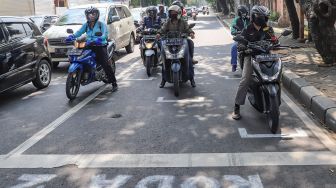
pixel 90 33
pixel 150 22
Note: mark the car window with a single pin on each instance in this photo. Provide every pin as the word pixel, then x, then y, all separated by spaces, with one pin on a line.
pixel 28 29
pixel 127 12
pixel 77 16
pixel 2 37
pixel 121 13
pixel 37 20
pixel 36 31
pixel 47 20
pixel 112 12
pixel 15 30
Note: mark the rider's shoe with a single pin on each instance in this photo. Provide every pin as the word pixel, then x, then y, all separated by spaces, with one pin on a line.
pixel 234 68
pixel 194 62
pixel 192 82
pixel 114 87
pixel 162 84
pixel 236 113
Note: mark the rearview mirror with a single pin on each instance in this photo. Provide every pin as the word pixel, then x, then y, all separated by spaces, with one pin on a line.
pixel 113 19
pixel 69 31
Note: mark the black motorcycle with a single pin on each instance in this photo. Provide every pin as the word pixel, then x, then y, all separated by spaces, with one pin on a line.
pixel 265 89
pixel 150 51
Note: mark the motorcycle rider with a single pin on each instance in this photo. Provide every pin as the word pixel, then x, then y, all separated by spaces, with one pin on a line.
pixel 237 25
pixel 175 23
pixel 161 13
pixel 180 4
pixel 92 26
pixel 151 20
pixel 257 30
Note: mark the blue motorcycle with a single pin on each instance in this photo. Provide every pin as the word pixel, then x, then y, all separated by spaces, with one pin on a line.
pixel 83 68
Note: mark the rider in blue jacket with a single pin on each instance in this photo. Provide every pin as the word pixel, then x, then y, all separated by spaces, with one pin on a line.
pixel 92 26
pixel 151 20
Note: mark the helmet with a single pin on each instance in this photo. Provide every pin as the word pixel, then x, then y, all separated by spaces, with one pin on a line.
pixel 151 11
pixel 178 3
pixel 92 10
pixel 161 7
pixel 242 9
pixel 176 9
pixel 260 15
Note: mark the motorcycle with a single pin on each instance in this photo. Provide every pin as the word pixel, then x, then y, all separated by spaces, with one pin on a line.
pixel 194 16
pixel 176 59
pixel 150 51
pixel 83 68
pixel 265 88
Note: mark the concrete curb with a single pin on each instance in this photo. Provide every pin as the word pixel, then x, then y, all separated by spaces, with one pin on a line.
pixel 313 99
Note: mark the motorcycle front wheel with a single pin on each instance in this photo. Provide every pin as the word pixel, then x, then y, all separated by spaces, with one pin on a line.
pixel 273 114
pixel 149 67
pixel 176 84
pixel 73 84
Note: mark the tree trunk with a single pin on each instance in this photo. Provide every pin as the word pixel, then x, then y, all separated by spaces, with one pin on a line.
pixel 323 29
pixel 224 7
pixel 293 18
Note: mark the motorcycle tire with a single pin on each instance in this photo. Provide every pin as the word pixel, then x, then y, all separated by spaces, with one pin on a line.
pixel 273 114
pixel 176 84
pixel 73 84
pixel 149 67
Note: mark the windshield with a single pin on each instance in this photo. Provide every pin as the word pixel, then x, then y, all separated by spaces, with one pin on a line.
pixel 37 20
pixel 77 17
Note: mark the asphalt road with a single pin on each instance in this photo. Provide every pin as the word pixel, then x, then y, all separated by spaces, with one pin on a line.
pixel 143 136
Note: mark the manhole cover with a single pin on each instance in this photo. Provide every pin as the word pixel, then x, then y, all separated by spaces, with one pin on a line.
pixel 116 116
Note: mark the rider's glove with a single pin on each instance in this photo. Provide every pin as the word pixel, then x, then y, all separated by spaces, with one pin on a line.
pixel 98 41
pixel 248 52
pixel 70 38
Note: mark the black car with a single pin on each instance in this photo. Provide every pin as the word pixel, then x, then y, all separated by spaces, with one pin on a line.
pixel 24 56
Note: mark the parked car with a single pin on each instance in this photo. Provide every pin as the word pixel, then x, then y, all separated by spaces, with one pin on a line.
pixel 24 56
pixel 44 22
pixel 119 22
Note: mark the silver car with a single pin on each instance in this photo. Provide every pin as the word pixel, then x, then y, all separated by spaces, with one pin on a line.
pixel 119 21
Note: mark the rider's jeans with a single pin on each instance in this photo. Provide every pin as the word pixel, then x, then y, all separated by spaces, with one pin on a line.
pixel 102 59
pixel 244 82
pixel 234 53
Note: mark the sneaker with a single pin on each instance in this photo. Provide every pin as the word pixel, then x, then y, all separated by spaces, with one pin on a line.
pixel 194 62
pixel 192 82
pixel 236 113
pixel 114 87
pixel 162 84
pixel 234 68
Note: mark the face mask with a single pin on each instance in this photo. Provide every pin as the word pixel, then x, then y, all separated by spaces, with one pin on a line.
pixel 174 16
pixel 260 21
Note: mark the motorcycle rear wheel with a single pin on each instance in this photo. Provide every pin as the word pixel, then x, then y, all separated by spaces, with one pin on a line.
pixel 273 114
pixel 73 84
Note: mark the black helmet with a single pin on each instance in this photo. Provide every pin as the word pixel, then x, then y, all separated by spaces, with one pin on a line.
pixel 242 9
pixel 151 11
pixel 92 10
pixel 178 3
pixel 260 15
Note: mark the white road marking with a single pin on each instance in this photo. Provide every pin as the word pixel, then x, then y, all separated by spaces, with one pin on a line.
pixel 194 100
pixel 140 79
pixel 299 133
pixel 33 180
pixel 99 181
pixel 56 123
pixel 207 182
pixel 171 160
pixel 316 130
pixel 237 181
pixel 230 78
pixel 163 181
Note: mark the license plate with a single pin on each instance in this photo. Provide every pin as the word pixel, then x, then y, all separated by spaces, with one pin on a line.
pixel 61 50
pixel 174 42
pixel 74 52
pixel 267 57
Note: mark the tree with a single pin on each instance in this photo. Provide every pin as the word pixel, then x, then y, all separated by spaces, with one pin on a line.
pixel 294 19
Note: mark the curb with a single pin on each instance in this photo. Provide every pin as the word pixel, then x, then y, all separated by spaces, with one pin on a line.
pixel 321 106
pixel 313 99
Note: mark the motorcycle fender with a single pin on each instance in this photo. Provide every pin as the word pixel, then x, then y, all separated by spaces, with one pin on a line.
pixel 272 89
pixel 149 52
pixel 74 66
pixel 175 67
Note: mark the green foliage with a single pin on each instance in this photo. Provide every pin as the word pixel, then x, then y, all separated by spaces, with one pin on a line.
pixel 274 16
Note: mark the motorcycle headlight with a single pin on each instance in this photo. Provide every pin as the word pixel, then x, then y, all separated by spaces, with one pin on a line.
pixel 149 45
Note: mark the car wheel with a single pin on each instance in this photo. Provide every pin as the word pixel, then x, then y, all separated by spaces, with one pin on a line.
pixel 43 75
pixel 130 46
pixel 55 64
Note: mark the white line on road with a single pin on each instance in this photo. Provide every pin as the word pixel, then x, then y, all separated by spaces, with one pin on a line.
pixel 299 133
pixel 194 100
pixel 56 123
pixel 140 79
pixel 171 160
